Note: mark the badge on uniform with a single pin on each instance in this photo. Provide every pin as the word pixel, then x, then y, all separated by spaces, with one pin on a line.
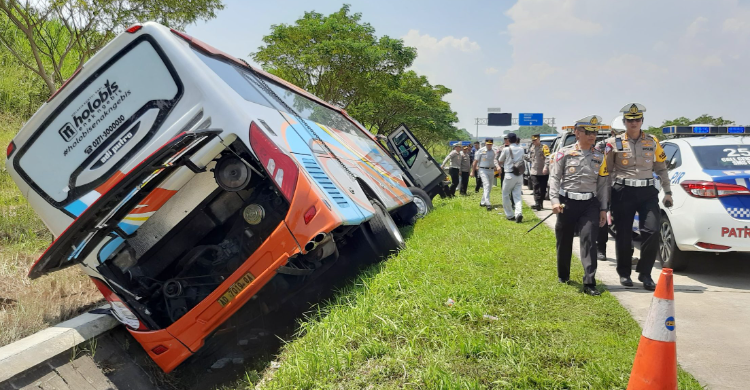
pixel 608 148
pixel 572 169
pixel 559 156
pixel 624 162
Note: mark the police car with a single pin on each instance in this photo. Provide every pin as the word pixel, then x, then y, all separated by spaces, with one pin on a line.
pixel 709 169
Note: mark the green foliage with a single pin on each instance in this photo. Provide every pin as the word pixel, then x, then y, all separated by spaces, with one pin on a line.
pixel 336 57
pixel 525 132
pixel 511 326
pixel 340 59
pixel 53 38
pixel 464 135
pixel 704 119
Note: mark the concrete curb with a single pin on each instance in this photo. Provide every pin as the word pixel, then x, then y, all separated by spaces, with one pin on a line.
pixel 31 351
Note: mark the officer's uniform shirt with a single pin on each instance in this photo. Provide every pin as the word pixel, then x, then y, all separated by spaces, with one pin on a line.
pixel 455 159
pixel 537 156
pixel 485 158
pixel 465 162
pixel 580 171
pixel 637 158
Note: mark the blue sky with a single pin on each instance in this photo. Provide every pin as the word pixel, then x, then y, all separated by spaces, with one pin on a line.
pixel 565 58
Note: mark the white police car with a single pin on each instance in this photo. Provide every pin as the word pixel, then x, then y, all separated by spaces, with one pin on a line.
pixel 709 169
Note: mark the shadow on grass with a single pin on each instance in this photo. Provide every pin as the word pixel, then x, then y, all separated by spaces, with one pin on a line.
pixel 241 353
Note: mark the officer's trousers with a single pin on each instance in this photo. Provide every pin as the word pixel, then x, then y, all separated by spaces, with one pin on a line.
pixel 582 216
pixel 512 194
pixel 453 172
pixel 601 240
pixel 486 174
pixel 464 182
pixel 626 201
pixel 539 183
pixel 479 181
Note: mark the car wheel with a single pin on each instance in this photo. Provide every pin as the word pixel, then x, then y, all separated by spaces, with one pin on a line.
pixel 669 255
pixel 382 232
pixel 422 201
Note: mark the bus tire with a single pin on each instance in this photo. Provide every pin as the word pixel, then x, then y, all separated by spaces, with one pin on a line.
pixel 382 232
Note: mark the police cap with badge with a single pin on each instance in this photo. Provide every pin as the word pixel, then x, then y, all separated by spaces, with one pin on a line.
pixel 589 123
pixel 633 111
pixel 488 141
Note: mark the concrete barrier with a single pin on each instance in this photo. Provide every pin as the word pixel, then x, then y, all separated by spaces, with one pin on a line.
pixel 26 353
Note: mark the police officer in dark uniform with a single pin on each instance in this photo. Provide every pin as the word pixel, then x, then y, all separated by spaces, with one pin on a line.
pixel 538 174
pixel 578 193
pixel 632 158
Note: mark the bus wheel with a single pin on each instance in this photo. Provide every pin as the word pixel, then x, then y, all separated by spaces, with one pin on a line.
pixel 381 232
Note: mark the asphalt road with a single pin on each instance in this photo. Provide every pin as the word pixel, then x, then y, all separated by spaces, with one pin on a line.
pixel 712 305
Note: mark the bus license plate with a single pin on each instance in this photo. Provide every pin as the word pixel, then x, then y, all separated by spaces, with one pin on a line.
pixel 236 288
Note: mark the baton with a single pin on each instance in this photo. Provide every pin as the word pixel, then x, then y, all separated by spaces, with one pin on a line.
pixel 562 206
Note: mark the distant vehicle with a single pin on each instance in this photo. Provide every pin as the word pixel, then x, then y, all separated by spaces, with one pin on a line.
pixel 185 182
pixel 709 168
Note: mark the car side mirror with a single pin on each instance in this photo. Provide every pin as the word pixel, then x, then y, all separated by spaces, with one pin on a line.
pixel 672 163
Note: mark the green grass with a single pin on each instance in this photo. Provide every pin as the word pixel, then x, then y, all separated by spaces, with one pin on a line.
pixel 392 328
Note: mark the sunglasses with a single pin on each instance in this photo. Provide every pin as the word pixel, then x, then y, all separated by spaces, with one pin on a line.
pixel 588 132
pixel 634 120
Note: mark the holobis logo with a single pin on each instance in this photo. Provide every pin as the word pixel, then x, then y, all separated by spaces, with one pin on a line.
pixel 93 105
pixel 67 132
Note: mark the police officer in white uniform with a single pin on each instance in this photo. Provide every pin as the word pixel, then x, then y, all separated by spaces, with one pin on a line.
pixel 578 193
pixel 633 157
pixel 511 184
pixel 485 164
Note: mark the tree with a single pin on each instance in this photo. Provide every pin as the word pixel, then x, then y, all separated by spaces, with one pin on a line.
pixel 53 38
pixel 335 57
pixel 704 119
pixel 525 132
pixel 464 135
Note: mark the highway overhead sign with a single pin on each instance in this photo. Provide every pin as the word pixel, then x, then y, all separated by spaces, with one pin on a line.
pixel 536 119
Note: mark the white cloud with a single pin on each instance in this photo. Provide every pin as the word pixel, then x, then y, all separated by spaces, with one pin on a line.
pixel 491 70
pixel 429 43
pixel 573 58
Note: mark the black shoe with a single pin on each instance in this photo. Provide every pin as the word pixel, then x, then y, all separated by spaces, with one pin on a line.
pixel 591 290
pixel 601 256
pixel 648 283
pixel 510 218
pixel 625 281
pixel 489 208
pixel 519 218
pixel 561 280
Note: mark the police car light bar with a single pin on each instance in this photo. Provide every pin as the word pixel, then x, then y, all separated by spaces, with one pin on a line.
pixel 704 130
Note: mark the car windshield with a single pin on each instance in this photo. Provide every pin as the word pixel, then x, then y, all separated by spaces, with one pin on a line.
pixel 723 156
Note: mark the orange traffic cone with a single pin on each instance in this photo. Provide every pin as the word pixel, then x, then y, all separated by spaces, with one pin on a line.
pixel 655 365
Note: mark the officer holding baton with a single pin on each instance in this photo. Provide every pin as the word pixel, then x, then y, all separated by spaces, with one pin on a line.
pixel 633 157
pixel 578 193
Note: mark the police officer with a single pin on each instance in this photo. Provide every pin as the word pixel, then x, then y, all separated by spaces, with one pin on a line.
pixel 485 164
pixel 633 157
pixel 465 169
pixel 474 151
pixel 579 192
pixel 455 167
pixel 539 171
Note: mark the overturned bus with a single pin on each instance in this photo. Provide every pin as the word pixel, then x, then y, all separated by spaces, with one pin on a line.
pixel 183 181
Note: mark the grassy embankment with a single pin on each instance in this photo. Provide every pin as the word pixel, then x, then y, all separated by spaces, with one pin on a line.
pixel 393 329
pixel 28 306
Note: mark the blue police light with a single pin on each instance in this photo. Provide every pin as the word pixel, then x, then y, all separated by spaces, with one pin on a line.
pixel 736 130
pixel 701 129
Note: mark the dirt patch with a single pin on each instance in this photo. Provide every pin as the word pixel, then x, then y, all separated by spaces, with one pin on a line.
pixel 28 306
